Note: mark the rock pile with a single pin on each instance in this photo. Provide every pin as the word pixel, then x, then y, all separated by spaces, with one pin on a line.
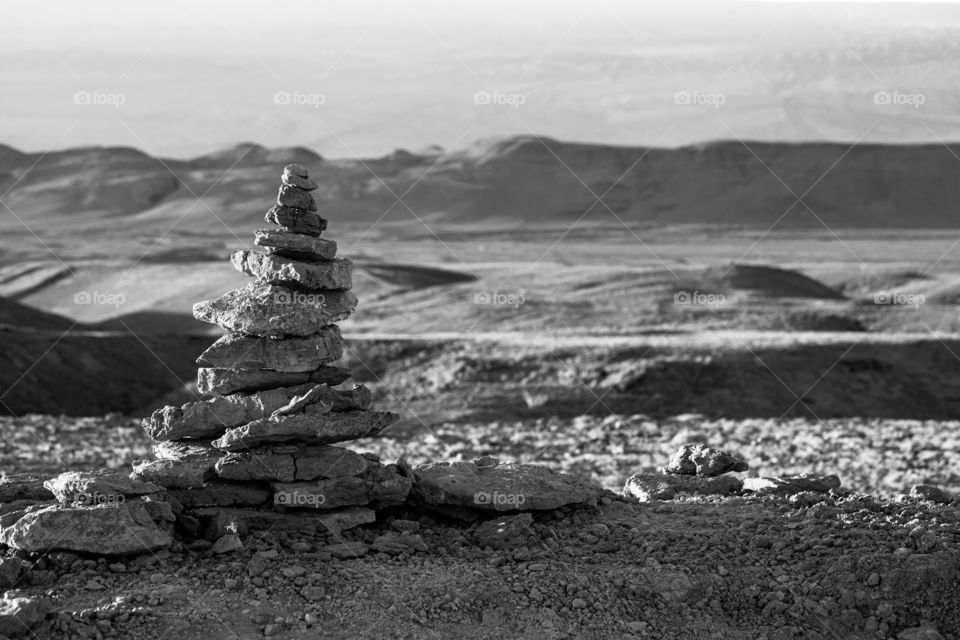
pixel 699 470
pixel 263 440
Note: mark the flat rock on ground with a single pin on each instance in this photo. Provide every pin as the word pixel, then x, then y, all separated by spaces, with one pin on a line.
pixel 241 351
pixel 273 269
pixel 490 485
pixel 273 310
pixel 228 381
pixel 295 244
pixel 210 418
pixel 117 528
pixel 665 486
pixel 309 429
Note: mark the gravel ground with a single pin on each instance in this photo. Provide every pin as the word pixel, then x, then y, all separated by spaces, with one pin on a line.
pixel 835 567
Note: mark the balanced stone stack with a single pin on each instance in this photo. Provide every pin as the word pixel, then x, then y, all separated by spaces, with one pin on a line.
pixel 262 441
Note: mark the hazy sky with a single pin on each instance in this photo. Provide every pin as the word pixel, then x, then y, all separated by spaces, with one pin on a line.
pixel 186 77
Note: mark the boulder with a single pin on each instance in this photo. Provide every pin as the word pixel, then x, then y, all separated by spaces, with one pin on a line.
pixel 700 460
pixel 309 429
pixel 240 351
pixel 487 484
pixel 506 532
pixel 295 198
pixel 272 310
pixel 227 544
pixel 20 613
pixel 117 528
pixel 380 486
pixel 790 485
pixel 291 462
pixel 295 244
pixel 227 381
pixel 313 275
pixel 296 220
pixel 665 486
pixel 929 492
pixel 223 494
pixel 337 399
pixel 210 418
pixel 97 487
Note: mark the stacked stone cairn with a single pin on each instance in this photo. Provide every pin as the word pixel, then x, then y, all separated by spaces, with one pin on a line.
pixel 263 443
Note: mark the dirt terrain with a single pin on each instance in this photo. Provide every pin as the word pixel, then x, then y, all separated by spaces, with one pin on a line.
pixel 840 565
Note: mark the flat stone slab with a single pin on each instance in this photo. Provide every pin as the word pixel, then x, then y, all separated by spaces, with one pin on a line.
pixel 700 460
pixel 295 243
pixel 97 487
pixel 241 351
pixel 792 484
pixel 486 484
pixel 665 486
pixel 320 521
pixel 210 418
pixel 380 486
pixel 274 269
pixel 296 220
pixel 183 450
pixel 291 462
pixel 119 528
pixel 272 310
pixel 310 429
pixel 227 381
pixel 177 474
pixel 224 494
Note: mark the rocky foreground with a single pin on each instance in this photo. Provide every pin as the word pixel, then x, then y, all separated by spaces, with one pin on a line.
pixel 803 562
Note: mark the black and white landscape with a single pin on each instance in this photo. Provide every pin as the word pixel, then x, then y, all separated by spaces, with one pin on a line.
pixel 483 320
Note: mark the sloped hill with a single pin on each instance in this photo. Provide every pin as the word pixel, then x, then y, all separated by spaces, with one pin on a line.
pixel 522 181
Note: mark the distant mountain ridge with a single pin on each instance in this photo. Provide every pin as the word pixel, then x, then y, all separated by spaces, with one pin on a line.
pixel 520 181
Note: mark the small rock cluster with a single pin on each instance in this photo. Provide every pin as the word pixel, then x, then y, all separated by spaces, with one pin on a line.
pixel 696 469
